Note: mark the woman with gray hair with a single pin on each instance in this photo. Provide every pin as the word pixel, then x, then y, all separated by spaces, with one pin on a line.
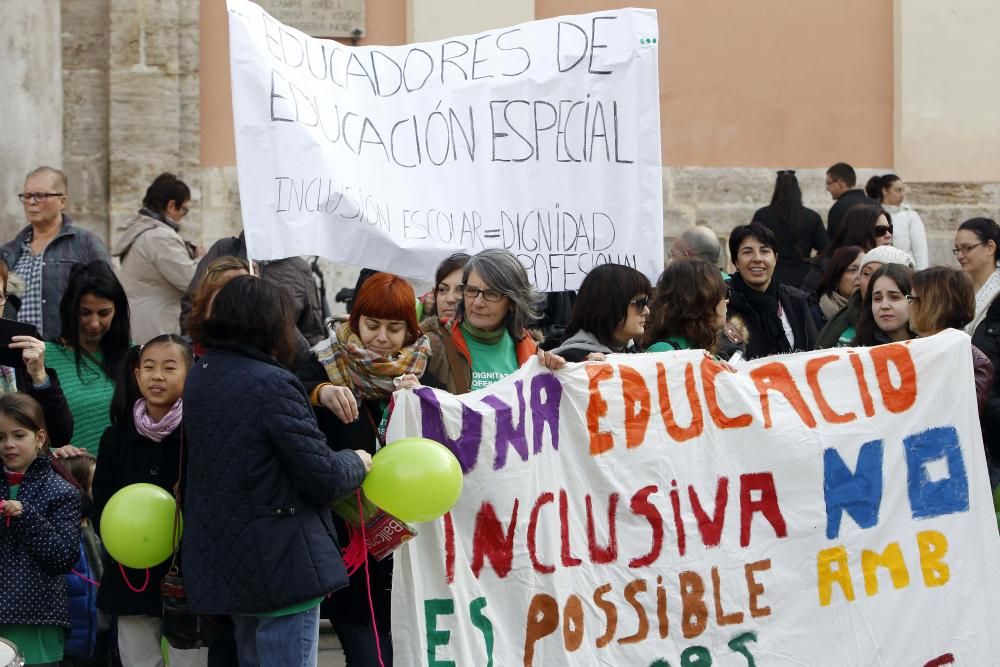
pixel 488 339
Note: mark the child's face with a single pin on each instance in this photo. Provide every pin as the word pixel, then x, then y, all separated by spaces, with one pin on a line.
pixel 161 374
pixel 19 446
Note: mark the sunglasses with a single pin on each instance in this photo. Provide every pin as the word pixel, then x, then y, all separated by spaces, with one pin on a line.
pixel 882 230
pixel 640 302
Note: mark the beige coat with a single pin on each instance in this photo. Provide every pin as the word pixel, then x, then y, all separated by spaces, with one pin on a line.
pixel 155 270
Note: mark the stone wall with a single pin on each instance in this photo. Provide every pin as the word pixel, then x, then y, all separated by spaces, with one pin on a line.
pixel 130 84
pixel 725 198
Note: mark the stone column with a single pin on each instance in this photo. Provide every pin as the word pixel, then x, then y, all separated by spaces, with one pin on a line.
pixel 153 114
pixel 31 78
pixel 946 91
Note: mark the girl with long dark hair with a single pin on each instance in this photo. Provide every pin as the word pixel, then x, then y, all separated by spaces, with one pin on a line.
pixel 799 230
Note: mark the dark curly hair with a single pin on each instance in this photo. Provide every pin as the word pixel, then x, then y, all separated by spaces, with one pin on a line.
pixel 687 295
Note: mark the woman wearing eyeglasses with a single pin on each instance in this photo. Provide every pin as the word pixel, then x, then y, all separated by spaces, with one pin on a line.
pixel 609 314
pixel 157 265
pixel 488 339
pixel 942 298
pixel 977 249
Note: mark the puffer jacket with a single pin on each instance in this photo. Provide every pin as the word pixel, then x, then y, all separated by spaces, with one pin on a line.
pixel 71 246
pixel 156 268
pixel 258 534
pixel 39 547
pixel 82 594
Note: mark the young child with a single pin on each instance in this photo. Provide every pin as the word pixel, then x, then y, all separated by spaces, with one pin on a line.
pixel 143 444
pixel 39 535
pixel 87 638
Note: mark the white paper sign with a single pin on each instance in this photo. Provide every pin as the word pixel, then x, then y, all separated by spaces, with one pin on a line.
pixel 825 508
pixel 542 138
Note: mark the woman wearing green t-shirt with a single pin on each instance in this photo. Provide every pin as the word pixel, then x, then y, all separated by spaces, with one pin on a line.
pixel 489 340
pixel 689 309
pixel 95 338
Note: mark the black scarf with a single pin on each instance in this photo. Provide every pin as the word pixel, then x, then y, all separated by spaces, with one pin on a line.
pixel 765 306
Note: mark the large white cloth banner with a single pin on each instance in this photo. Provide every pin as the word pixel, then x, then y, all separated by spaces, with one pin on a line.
pixel 542 138
pixel 825 508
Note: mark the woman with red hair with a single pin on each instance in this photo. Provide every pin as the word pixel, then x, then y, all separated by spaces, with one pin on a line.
pixel 350 378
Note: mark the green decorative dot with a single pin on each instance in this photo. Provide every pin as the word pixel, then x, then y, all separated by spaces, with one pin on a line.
pixel 654 40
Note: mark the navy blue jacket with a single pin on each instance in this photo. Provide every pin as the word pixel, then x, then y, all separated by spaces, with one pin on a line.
pixel 38 547
pixel 82 595
pixel 258 535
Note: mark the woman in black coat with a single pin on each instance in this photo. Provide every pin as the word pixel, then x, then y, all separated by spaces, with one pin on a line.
pixel 259 543
pixel 350 379
pixel 798 230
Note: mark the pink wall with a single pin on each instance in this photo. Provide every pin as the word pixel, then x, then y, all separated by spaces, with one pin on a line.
pixel 769 83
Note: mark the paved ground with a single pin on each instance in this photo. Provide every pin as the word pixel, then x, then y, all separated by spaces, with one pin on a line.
pixel 330 654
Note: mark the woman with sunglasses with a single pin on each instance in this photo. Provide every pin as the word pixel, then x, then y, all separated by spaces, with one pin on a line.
pixel 865 225
pixel 908 229
pixel 609 313
pixel 488 339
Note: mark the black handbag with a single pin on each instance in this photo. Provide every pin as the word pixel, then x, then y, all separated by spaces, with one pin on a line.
pixel 181 628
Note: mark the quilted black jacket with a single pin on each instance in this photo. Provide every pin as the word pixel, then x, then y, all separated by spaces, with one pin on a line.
pixel 257 529
pixel 38 548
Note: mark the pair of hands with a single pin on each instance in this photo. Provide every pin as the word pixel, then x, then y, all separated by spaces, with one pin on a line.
pixel 11 508
pixel 342 403
pixel 33 354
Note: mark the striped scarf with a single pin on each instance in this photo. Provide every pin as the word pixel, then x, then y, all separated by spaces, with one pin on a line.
pixel 367 374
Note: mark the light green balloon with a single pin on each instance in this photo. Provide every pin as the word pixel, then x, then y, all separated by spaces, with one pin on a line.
pixel 414 479
pixel 137 526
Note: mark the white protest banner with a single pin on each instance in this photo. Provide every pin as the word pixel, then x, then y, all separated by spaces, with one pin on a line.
pixel 825 508
pixel 542 138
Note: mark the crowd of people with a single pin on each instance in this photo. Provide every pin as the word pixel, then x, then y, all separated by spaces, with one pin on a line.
pixel 182 370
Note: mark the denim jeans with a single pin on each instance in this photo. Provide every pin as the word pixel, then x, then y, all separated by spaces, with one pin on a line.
pixel 281 641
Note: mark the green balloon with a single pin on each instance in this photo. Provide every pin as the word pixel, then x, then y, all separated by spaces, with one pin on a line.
pixel 414 479
pixel 137 526
pixel 996 499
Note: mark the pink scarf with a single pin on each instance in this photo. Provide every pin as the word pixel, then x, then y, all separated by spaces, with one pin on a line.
pixel 157 431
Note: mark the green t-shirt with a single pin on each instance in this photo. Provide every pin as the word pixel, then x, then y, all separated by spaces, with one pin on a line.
pixel 491 363
pixel 670 345
pixel 305 605
pixel 39 644
pixel 88 394
pixel 850 333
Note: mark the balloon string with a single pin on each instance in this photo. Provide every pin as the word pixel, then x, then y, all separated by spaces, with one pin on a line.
pixel 368 580
pixel 86 578
pixel 132 588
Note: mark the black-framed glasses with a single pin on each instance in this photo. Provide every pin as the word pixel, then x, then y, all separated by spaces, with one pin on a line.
pixel 912 298
pixel 640 302
pixel 35 197
pixel 964 249
pixel 491 295
pixel 882 230
pixel 184 211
